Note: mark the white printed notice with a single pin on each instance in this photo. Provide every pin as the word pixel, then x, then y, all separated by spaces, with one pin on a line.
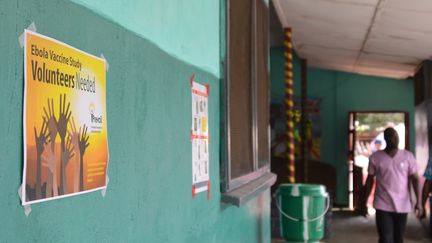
pixel 200 139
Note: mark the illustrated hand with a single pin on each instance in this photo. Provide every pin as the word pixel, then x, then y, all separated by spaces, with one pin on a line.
pixel 51 120
pixel 74 135
pixel 41 139
pixel 83 140
pixel 50 161
pixel 68 153
pixel 64 117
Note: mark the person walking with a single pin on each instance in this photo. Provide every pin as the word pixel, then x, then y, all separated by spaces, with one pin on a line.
pixel 395 171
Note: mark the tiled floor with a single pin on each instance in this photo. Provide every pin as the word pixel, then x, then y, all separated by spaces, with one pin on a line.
pixel 347 227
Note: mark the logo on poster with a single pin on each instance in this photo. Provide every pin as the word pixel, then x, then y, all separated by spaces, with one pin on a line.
pixel 94 118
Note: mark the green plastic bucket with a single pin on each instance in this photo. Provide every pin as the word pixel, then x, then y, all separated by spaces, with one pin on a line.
pixel 302 208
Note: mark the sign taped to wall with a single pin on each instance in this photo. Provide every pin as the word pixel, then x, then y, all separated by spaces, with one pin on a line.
pixel 200 139
pixel 65 125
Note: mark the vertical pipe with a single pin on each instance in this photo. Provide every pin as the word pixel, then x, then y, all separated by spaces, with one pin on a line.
pixel 304 143
pixel 289 103
pixel 254 95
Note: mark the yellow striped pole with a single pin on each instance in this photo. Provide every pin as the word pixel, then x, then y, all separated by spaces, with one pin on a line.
pixel 289 103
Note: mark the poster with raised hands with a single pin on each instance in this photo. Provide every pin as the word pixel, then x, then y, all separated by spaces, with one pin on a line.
pixel 200 138
pixel 65 126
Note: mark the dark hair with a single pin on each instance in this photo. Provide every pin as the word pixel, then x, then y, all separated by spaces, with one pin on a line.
pixel 388 133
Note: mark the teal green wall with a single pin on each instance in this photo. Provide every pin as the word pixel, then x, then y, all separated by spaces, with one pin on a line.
pixel 341 93
pixel 186 29
pixel 149 115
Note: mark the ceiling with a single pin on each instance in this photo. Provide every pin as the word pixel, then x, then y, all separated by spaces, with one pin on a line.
pixel 375 37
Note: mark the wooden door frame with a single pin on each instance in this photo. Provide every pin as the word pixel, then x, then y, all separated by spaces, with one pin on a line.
pixel 351 144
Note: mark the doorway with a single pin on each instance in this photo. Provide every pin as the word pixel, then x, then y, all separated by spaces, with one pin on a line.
pixel 365 137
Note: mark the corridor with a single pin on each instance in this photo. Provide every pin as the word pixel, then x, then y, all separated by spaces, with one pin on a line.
pixel 359 229
pixel 347 227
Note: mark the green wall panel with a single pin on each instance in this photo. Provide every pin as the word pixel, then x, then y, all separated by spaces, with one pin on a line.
pixel 149 111
pixel 187 29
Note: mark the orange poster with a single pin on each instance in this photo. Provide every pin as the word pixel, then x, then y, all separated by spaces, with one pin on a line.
pixel 65 125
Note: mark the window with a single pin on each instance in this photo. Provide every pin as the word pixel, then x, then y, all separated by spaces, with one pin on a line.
pixel 245 96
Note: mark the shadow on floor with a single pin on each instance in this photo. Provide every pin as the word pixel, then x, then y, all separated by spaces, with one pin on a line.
pixel 348 227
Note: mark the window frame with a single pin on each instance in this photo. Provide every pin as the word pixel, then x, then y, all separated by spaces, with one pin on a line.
pixel 228 183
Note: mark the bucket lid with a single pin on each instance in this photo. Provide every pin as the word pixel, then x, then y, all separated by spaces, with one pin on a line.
pixel 302 189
